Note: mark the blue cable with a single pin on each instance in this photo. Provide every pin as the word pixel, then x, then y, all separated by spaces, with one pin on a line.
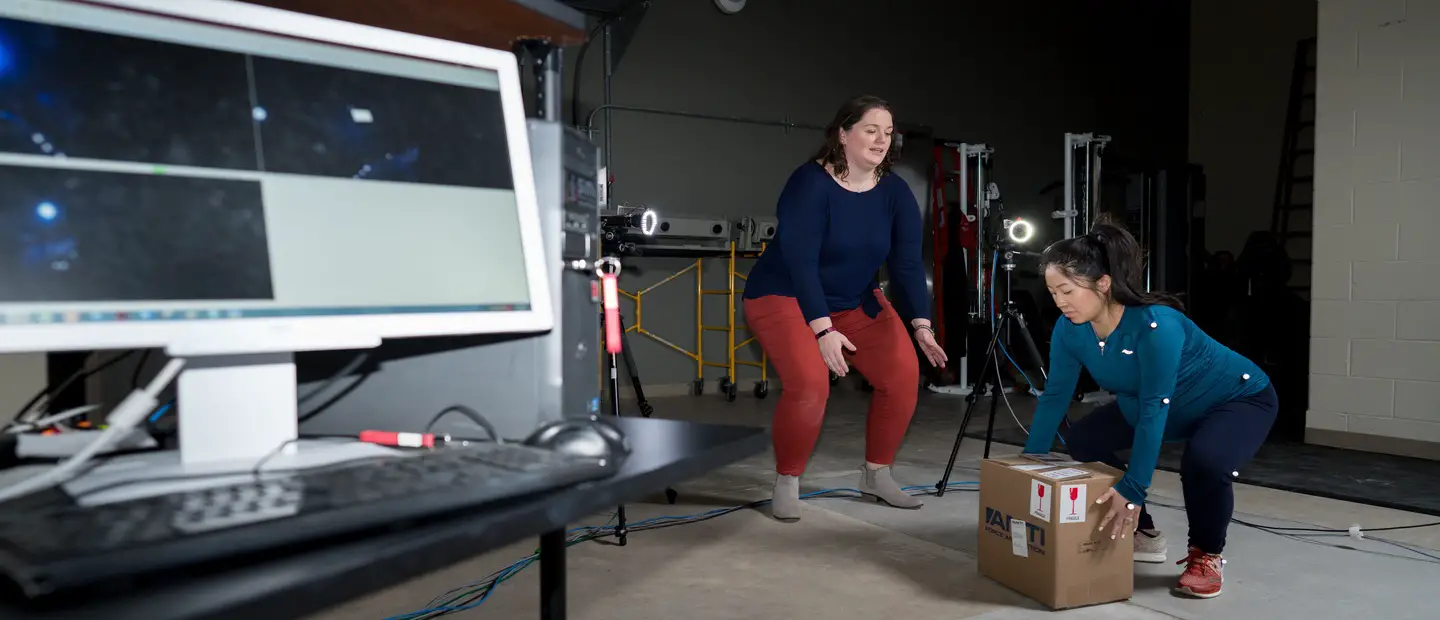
pixel 160 413
pixel 605 530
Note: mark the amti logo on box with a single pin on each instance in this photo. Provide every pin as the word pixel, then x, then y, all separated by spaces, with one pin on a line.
pixel 998 523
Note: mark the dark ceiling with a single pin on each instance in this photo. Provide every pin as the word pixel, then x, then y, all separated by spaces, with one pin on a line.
pixel 622 16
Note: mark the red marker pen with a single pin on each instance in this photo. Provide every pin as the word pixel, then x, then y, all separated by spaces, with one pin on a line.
pixel 411 440
pixel 399 440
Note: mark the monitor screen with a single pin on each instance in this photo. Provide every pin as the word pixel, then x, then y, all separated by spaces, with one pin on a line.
pixel 158 169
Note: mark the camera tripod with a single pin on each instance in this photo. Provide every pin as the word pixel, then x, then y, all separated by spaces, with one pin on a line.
pixel 612 372
pixel 1009 317
pixel 628 359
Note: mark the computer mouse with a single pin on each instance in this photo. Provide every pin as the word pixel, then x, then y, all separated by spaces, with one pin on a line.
pixel 593 438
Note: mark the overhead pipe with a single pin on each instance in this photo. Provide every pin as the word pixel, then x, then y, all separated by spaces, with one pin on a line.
pixel 609 107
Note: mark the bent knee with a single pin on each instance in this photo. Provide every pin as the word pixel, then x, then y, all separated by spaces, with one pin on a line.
pixel 1207 464
pixel 903 373
pixel 811 387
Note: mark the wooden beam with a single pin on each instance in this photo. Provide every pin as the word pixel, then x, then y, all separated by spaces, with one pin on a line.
pixel 495 24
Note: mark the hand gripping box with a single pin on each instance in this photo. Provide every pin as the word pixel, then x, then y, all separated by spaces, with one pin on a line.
pixel 1038 523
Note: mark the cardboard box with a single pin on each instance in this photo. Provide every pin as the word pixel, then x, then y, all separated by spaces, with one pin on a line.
pixel 1038 533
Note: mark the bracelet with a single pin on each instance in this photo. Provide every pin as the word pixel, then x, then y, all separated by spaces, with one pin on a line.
pixel 926 328
pixel 821 334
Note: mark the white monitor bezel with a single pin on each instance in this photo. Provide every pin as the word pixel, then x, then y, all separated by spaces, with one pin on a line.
pixel 222 336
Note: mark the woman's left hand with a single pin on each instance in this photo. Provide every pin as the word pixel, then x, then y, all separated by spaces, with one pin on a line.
pixel 925 336
pixel 1124 515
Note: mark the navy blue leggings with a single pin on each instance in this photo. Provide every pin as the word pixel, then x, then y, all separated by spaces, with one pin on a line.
pixel 1224 441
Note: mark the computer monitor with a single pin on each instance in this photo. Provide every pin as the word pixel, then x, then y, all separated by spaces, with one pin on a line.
pixel 235 183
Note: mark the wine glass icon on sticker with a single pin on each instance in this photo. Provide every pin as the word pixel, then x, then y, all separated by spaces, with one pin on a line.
pixel 1074 495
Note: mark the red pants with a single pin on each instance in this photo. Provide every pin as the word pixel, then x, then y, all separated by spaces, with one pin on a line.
pixel 883 354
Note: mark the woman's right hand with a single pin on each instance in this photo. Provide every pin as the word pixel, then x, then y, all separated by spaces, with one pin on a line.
pixel 832 348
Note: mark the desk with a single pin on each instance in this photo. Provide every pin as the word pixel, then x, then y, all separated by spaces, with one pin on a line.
pixel 665 452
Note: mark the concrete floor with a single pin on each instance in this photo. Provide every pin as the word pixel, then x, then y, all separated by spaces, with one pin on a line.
pixel 851 559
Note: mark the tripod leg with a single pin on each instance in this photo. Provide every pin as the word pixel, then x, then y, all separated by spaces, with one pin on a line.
pixel 630 369
pixel 955 449
pixel 996 393
pixel 970 400
pixel 552 575
pixel 1034 352
pixel 613 373
pixel 1030 348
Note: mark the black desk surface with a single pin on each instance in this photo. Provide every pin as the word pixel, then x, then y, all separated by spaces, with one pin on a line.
pixel 664 452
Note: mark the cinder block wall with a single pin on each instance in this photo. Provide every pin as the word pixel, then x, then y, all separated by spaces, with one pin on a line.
pixel 1375 334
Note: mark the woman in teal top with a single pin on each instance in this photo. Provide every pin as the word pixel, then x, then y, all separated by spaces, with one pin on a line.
pixel 1171 381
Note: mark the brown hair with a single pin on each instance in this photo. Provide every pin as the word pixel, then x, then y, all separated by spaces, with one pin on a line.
pixel 833 154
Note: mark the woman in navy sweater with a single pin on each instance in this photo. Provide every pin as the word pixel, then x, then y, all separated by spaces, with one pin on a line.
pixel 1172 382
pixel 813 302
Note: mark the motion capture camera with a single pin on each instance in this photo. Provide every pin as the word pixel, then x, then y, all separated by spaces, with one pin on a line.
pixel 644 221
pixel 1018 231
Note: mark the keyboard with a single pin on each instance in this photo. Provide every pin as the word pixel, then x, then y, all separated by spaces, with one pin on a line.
pixel 49 543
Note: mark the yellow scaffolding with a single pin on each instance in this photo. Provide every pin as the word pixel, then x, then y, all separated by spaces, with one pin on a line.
pixel 728 385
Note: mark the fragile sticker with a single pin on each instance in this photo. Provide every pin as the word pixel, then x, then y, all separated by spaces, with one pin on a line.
pixel 1072 503
pixel 1018 543
pixel 1041 497
pixel 1065 474
pixel 1031 467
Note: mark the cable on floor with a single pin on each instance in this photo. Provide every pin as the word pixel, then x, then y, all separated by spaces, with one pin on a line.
pixel 472 595
pixel 1300 534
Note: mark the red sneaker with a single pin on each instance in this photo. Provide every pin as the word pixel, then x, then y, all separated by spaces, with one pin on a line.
pixel 1202 576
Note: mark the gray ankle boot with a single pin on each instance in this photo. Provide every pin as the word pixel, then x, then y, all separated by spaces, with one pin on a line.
pixel 785 504
pixel 878 484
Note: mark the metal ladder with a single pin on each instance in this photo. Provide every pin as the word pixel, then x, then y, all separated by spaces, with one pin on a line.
pixel 1297 169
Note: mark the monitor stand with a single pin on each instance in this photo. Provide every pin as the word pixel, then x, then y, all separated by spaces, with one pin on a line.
pixel 237 422
pixel 237 407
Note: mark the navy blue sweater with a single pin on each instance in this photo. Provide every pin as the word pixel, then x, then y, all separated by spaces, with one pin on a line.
pixel 830 243
pixel 1165 373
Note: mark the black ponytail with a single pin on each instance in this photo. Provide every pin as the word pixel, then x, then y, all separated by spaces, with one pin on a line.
pixel 1107 250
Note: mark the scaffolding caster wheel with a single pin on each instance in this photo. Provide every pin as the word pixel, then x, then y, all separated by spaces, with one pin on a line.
pixel 728 388
pixel 671 495
pixel 697 387
pixel 762 389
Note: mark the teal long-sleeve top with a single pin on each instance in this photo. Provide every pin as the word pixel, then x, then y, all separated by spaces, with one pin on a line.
pixel 1164 371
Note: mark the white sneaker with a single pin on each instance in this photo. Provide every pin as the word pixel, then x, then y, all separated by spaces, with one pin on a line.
pixel 1150 546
